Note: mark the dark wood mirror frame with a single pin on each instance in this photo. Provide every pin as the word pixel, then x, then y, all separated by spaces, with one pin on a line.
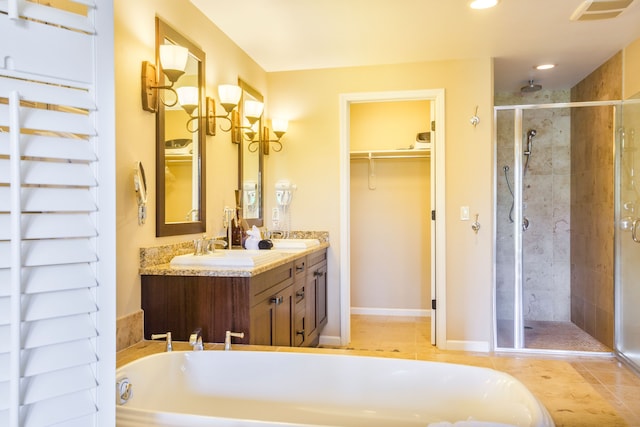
pixel 165 32
pixel 249 90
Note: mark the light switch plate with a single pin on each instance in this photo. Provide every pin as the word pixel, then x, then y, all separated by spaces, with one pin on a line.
pixel 464 213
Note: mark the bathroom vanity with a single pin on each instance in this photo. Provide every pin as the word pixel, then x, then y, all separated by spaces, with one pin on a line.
pixel 281 303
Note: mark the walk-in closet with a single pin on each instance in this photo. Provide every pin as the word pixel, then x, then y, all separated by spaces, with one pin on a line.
pixel 390 208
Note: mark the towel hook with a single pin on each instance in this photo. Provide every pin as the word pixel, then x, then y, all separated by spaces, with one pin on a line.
pixel 475 119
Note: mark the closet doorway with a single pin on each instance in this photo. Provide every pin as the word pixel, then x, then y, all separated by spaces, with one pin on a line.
pixel 392 181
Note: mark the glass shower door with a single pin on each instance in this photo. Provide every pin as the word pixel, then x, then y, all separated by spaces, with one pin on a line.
pixel 628 235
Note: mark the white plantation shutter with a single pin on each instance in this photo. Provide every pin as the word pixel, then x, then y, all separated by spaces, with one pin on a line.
pixel 57 215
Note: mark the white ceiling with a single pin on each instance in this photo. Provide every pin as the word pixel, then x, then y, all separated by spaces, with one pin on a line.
pixel 306 34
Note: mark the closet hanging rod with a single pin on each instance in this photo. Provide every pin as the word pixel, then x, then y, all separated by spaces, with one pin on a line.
pixel 372 155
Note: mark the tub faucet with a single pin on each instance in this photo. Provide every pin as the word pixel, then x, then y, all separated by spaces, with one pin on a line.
pixel 227 338
pixel 195 339
pixel 161 336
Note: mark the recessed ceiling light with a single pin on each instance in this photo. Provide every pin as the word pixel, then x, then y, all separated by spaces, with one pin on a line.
pixel 482 4
pixel 545 66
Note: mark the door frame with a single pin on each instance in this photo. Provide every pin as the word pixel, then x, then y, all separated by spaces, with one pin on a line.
pixel 438 241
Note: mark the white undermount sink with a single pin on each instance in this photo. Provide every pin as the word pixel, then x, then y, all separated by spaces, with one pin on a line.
pixel 294 243
pixel 227 258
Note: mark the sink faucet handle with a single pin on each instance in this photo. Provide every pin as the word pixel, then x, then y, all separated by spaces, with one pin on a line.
pixel 161 336
pixel 195 339
pixel 227 338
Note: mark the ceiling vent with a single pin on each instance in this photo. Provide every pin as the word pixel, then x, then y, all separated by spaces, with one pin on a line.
pixel 593 10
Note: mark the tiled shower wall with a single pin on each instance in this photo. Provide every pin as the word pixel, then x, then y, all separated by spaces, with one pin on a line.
pixel 546 201
pixel 592 199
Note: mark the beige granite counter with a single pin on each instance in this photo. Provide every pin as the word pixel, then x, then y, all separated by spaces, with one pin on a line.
pixel 155 261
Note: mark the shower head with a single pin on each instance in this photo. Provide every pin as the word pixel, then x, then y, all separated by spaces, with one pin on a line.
pixel 530 134
pixel 531 87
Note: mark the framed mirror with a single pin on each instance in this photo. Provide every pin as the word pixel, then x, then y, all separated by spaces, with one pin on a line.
pixel 180 144
pixel 250 160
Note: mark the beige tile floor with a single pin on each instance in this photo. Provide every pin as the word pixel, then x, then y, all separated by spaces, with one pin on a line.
pixel 577 391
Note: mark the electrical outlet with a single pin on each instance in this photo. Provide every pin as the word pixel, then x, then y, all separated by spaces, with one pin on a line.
pixel 275 214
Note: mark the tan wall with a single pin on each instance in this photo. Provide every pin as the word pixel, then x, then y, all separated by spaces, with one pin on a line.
pixel 387 125
pixel 632 70
pixel 311 159
pixel 135 128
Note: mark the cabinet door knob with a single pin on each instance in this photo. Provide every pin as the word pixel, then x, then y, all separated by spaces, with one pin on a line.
pixel 317 273
pixel 300 267
pixel 300 294
pixel 276 300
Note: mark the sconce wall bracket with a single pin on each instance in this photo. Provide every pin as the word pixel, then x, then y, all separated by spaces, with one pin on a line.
pixel 147 84
pixel 210 109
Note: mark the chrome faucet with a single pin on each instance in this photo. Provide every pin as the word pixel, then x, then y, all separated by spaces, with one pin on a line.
pixel 201 245
pixel 205 245
pixel 195 339
pixel 161 336
pixel 227 338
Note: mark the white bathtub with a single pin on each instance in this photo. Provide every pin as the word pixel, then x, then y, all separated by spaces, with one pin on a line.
pixel 250 388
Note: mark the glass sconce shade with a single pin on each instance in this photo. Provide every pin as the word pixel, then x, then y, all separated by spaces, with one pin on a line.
pixel 279 126
pixel 188 98
pixel 229 96
pixel 173 59
pixel 253 110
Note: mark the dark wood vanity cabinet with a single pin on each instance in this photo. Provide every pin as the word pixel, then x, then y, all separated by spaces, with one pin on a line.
pixel 284 306
pixel 316 291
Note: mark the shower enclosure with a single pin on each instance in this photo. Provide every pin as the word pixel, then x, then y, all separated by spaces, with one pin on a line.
pixel 556 228
pixel 627 334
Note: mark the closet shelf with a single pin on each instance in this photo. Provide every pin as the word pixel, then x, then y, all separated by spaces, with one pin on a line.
pixel 391 154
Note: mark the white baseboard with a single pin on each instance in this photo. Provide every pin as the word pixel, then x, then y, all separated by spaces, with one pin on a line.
pixel 330 340
pixel 407 312
pixel 479 346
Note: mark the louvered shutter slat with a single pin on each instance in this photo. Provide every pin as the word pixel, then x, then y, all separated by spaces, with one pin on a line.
pixel 60 410
pixel 60 277
pixel 57 304
pixel 58 356
pixel 50 199
pixel 57 383
pixel 56 331
pixel 55 121
pixel 49 94
pixel 51 147
pixel 49 252
pixel 65 59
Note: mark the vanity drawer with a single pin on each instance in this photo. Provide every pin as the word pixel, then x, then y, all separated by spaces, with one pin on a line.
pixel 316 258
pixel 263 285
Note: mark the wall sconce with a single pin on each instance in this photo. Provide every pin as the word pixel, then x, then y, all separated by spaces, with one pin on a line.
pixel 188 100
pixel 173 60
pixel 229 96
pixel 280 127
pixel 252 112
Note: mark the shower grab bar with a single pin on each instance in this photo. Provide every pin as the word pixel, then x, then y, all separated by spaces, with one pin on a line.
pixel 634 230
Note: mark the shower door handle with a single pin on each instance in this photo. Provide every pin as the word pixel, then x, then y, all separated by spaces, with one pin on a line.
pixel 634 230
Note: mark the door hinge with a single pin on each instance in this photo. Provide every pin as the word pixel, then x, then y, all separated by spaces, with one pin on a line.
pixel 433 125
pixel 433 215
pixel 433 304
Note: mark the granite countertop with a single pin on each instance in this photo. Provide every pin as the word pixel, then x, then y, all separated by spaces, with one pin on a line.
pixel 288 255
